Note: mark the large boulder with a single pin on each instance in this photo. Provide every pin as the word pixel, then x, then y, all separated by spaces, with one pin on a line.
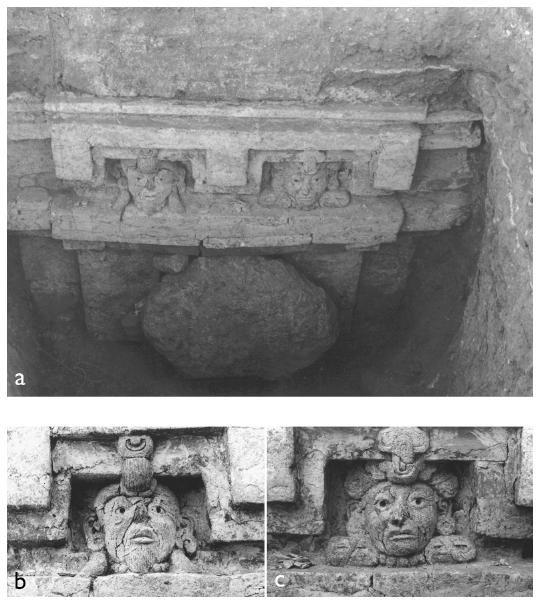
pixel 239 316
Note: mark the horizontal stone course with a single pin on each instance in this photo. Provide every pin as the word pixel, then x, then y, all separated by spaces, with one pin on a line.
pixel 479 579
pixel 184 585
pixel 51 586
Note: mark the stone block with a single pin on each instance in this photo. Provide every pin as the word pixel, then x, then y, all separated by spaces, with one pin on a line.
pixel 450 135
pixel 524 484
pixel 338 274
pixel 247 464
pixel 112 282
pixel 495 513
pixel 28 209
pixel 381 287
pixel 183 585
pixel 394 167
pixel 29 157
pixel 441 169
pixel 53 276
pixel 280 460
pixel 47 528
pixel 173 263
pixel 51 586
pixel 434 211
pixel 29 468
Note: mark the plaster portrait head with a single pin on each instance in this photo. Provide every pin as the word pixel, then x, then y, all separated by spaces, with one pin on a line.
pixel 401 519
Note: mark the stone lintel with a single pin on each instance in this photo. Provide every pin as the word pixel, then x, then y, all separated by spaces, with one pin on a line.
pixel 366 221
pixel 247 464
pixel 28 469
pixel 281 484
pixel 524 485
pixel 101 432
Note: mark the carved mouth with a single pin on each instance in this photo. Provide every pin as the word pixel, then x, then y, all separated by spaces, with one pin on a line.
pixel 143 536
pixel 404 536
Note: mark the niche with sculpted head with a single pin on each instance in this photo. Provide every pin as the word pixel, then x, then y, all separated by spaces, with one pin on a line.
pixel 400 510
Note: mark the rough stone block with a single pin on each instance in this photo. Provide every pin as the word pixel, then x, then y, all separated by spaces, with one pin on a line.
pixel 338 274
pixel 524 484
pixel 435 211
pixel 29 209
pixel 239 316
pixel 29 157
pixel 175 586
pixel 174 263
pixel 51 586
pixel 247 464
pixel 53 275
pixel 441 169
pixel 450 135
pixel 29 468
pixel 396 162
pixel 48 527
pixel 495 513
pixel 487 444
pixel 112 282
pixel 280 460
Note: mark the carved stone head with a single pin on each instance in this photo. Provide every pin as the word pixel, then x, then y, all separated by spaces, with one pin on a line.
pixel 401 519
pixel 304 187
pixel 140 533
pixel 400 508
pixel 151 181
pixel 136 524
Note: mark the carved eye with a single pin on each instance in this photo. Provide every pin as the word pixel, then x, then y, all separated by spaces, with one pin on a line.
pixel 121 510
pixel 159 509
pixel 296 180
pixel 382 504
pixel 418 500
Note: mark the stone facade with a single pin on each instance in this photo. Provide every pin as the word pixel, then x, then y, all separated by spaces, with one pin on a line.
pixel 377 511
pixel 317 186
pixel 127 511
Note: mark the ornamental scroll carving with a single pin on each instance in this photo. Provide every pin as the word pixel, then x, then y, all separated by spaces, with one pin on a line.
pixel 400 509
pixel 137 525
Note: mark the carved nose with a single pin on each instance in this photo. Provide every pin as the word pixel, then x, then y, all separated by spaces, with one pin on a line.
pixel 141 514
pixel 398 516
pixel 150 184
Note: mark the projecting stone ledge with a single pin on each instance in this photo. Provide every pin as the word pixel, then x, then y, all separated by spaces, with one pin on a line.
pixel 184 585
pixel 366 221
pixel 477 579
